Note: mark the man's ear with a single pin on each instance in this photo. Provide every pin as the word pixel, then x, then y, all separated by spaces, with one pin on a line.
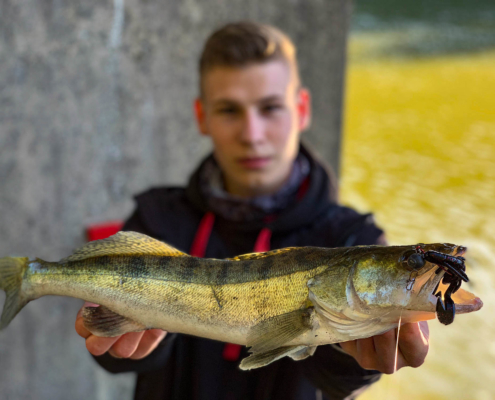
pixel 199 113
pixel 304 108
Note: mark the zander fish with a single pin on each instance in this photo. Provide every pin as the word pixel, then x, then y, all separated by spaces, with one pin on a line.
pixel 280 303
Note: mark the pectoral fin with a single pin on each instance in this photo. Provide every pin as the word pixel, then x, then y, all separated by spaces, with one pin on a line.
pixel 258 360
pixel 278 331
pixel 101 321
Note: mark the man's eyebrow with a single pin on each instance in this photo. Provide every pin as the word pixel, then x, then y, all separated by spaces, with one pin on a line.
pixel 224 101
pixel 268 99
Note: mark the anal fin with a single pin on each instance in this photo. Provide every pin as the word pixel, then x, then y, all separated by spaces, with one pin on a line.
pixel 102 321
pixel 278 331
pixel 258 360
pixel 305 352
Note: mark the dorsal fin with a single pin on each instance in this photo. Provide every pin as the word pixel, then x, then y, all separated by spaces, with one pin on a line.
pixel 257 256
pixel 124 244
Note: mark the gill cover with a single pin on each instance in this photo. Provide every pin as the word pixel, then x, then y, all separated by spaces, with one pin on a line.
pixel 336 301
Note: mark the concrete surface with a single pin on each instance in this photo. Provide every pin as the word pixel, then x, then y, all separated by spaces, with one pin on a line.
pixel 95 105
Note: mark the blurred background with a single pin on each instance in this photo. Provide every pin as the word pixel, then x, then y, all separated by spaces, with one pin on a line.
pixel 419 151
pixel 95 106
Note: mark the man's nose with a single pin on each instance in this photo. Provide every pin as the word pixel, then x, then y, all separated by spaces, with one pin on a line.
pixel 253 127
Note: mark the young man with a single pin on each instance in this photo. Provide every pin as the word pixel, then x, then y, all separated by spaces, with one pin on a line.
pixel 259 190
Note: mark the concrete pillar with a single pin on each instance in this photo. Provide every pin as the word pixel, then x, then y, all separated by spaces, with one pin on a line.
pixel 95 106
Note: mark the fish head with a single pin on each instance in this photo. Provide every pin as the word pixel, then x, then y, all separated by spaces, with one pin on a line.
pixel 397 280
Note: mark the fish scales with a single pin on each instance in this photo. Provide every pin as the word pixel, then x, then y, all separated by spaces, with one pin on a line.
pixel 197 270
pixel 258 292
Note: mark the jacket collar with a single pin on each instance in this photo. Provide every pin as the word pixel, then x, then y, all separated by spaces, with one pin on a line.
pixel 321 193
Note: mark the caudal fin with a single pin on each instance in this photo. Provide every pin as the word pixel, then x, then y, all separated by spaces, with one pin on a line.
pixel 11 272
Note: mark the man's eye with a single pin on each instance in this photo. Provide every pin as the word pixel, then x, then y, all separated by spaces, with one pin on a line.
pixel 227 110
pixel 271 108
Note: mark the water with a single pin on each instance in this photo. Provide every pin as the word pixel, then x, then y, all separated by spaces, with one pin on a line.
pixel 419 151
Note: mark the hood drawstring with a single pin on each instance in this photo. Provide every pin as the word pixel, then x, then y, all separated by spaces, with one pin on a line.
pixel 231 352
pixel 263 241
pixel 200 242
pixel 203 233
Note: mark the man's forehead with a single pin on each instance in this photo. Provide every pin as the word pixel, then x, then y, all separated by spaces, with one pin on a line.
pixel 255 82
pixel 265 99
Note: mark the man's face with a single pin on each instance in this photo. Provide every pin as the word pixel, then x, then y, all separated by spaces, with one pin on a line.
pixel 254 115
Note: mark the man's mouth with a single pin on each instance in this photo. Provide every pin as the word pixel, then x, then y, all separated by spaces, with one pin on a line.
pixel 254 162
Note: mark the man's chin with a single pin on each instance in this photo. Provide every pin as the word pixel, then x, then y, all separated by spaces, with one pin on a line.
pixel 254 185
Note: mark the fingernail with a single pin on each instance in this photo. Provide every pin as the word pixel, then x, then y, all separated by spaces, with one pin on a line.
pixel 88 304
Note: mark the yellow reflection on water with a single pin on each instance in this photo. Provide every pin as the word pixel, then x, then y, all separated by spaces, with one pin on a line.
pixel 419 151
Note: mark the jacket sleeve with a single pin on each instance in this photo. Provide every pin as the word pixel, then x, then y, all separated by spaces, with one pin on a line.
pixel 337 374
pixel 360 230
pixel 158 358
pixel 135 223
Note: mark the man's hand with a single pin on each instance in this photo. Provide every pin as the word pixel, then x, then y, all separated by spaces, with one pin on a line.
pixel 133 345
pixel 378 352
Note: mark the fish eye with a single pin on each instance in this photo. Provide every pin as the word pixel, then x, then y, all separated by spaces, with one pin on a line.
pixel 412 261
pixel 415 261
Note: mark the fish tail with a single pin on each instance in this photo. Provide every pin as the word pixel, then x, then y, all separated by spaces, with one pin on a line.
pixel 11 272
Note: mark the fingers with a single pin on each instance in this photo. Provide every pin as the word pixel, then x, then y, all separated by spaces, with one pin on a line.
pixel 379 352
pixel 150 340
pixel 413 343
pixel 386 348
pixel 126 345
pixel 366 353
pixel 350 347
pixel 363 350
pixel 134 345
pixel 98 346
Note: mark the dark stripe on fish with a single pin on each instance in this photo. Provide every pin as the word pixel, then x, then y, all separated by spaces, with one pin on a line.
pixel 223 276
pixel 251 268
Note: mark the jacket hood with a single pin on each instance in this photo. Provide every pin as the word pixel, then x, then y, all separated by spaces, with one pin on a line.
pixel 321 193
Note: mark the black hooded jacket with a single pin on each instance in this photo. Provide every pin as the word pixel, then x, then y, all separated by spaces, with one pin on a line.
pixel 185 367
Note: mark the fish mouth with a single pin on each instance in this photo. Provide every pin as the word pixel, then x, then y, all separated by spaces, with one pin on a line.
pixel 465 301
pixel 448 302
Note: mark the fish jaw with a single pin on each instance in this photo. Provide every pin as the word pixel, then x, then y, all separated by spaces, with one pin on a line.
pixel 424 299
pixel 465 301
pixel 430 283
